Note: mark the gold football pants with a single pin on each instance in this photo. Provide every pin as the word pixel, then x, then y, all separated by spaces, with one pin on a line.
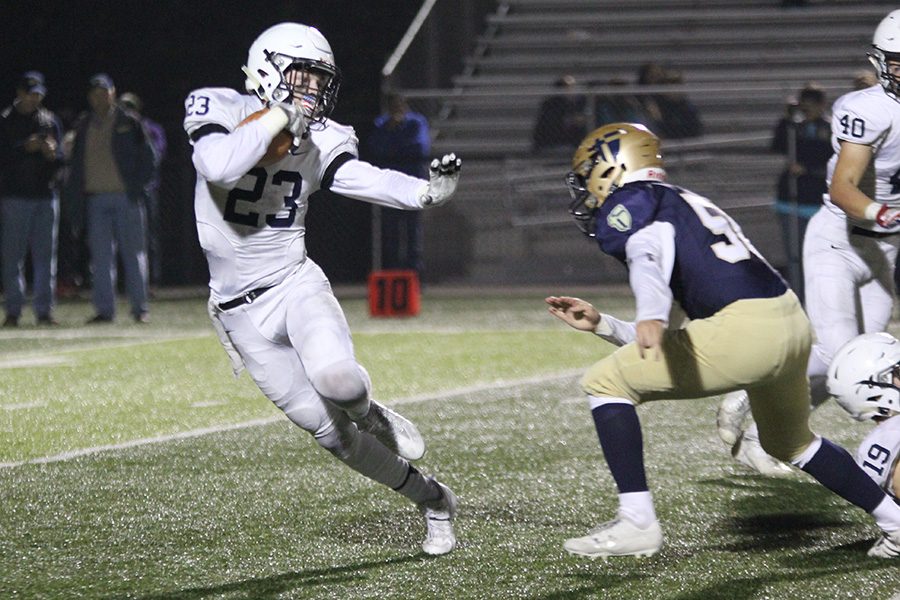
pixel 760 345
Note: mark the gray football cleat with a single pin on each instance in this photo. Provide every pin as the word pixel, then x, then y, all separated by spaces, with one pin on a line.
pixel 619 537
pixel 394 431
pixel 733 410
pixel 749 452
pixel 439 515
pixel 887 546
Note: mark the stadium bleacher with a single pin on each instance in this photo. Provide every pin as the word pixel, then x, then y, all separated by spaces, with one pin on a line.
pixel 740 61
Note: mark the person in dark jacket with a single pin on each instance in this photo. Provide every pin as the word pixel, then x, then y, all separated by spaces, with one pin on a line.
pixel 112 165
pixel 30 157
pixel 401 140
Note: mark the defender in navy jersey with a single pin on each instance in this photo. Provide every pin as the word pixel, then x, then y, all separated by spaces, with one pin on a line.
pixel 747 331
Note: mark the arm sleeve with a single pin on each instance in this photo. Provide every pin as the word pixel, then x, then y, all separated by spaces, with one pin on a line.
pixel 360 180
pixel 650 254
pixel 615 331
pixel 223 158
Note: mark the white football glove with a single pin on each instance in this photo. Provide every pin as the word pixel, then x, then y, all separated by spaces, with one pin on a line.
pixel 297 125
pixel 442 180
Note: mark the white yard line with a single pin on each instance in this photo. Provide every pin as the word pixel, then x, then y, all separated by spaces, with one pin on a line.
pixel 461 391
pixel 28 362
pixel 23 405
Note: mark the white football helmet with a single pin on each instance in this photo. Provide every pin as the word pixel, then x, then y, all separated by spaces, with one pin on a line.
pixel 886 46
pixel 861 376
pixel 288 47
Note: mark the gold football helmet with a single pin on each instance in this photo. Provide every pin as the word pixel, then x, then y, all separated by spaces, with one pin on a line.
pixel 606 159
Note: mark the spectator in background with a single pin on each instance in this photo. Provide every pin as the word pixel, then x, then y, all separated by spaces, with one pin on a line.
pixel 157 136
pixel 619 108
pixel 401 140
pixel 562 119
pixel 803 135
pixel 865 78
pixel 30 157
pixel 111 167
pixel 672 115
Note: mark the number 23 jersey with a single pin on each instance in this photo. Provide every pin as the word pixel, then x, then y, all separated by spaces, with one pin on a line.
pixel 250 219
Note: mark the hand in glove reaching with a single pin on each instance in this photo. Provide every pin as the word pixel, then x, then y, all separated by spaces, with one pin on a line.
pixel 443 177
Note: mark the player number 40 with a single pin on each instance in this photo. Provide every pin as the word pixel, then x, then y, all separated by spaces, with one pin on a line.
pixel 854 127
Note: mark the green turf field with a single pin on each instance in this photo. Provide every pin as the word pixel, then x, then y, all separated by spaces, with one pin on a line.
pixel 135 466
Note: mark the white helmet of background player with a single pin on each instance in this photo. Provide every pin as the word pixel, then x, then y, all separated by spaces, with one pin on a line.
pixel 861 376
pixel 292 46
pixel 886 46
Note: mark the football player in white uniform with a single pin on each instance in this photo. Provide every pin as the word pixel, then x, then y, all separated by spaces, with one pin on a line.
pixel 851 244
pixel 272 306
pixel 864 378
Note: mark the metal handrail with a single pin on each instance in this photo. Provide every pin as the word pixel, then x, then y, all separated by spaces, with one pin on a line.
pixel 407 39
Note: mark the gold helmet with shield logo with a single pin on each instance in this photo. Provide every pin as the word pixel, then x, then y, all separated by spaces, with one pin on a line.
pixel 606 159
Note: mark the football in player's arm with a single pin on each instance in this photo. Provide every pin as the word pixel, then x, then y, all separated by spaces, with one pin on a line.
pixel 680 247
pixel 271 305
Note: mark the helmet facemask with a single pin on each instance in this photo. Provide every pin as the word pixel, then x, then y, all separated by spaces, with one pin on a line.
pixel 885 50
pixel 890 82
pixel 311 85
pixel 585 204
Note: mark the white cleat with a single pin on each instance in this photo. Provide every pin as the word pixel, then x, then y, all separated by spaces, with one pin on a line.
pixel 750 453
pixel 394 431
pixel 619 537
pixel 733 410
pixel 887 546
pixel 439 515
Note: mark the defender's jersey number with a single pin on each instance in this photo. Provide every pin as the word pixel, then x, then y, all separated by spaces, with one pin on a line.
pixel 737 247
pixel 251 218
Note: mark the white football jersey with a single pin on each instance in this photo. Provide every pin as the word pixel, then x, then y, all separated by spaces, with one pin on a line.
pixel 250 219
pixel 869 117
pixel 878 453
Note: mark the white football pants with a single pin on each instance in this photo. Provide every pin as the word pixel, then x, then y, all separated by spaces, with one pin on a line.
pixel 295 343
pixel 849 285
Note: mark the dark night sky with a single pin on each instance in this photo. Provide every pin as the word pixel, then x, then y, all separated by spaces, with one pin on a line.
pixel 163 49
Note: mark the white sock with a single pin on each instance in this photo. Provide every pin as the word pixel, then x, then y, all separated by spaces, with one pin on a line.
pixel 887 515
pixel 637 507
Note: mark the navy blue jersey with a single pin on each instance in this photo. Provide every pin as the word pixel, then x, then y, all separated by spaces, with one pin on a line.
pixel 715 264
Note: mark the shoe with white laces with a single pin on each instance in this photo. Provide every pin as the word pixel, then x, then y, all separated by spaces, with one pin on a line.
pixel 439 515
pixel 394 431
pixel 749 452
pixel 733 410
pixel 619 537
pixel 887 546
